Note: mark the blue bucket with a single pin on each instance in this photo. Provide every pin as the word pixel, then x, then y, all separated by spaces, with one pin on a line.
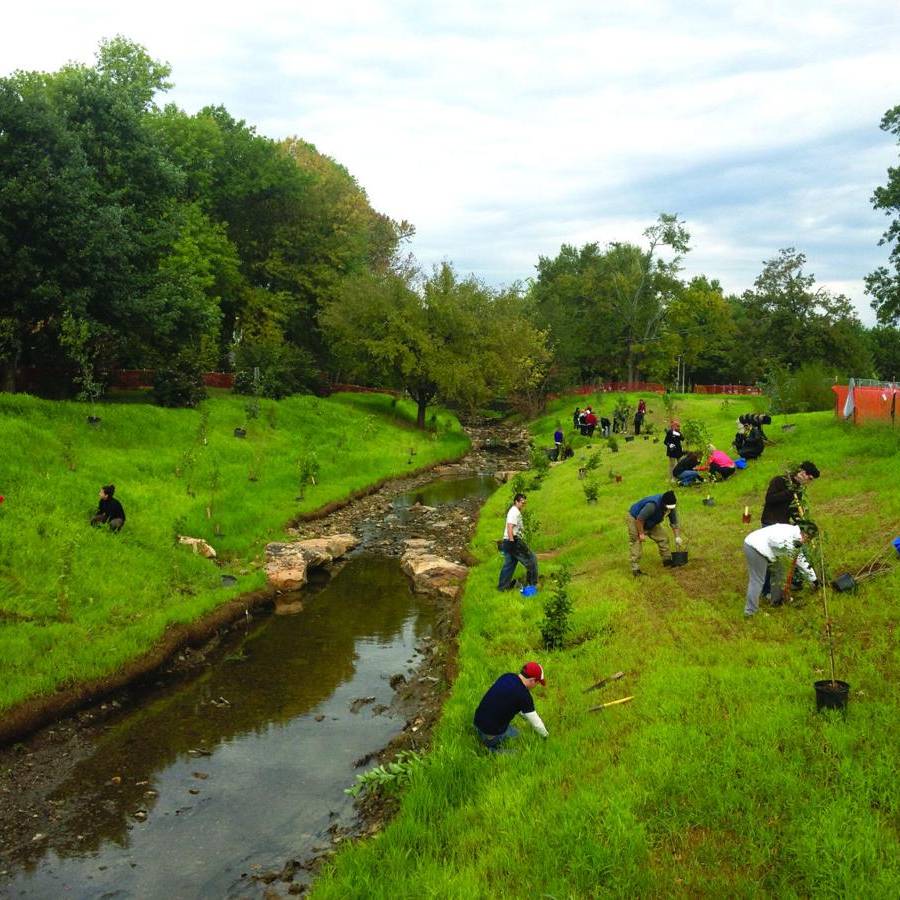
pixel 896 543
pixel 740 463
pixel 529 590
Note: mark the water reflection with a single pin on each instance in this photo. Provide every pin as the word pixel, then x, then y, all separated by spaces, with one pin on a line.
pixel 444 492
pixel 246 764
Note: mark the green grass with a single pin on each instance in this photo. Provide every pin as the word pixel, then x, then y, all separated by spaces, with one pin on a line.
pixel 719 778
pixel 77 602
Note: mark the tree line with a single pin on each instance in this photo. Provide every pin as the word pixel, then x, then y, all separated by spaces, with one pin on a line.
pixel 135 235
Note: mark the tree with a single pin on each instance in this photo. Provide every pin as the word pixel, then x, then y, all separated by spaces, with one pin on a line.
pixel 450 339
pixel 885 343
pixel 642 284
pixel 789 321
pixel 884 283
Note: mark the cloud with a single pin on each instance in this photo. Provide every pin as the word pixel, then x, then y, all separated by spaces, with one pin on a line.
pixel 503 130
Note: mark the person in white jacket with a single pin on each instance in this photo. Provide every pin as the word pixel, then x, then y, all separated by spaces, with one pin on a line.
pixel 775 546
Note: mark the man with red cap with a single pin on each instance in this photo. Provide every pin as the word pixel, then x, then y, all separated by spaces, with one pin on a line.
pixel 507 696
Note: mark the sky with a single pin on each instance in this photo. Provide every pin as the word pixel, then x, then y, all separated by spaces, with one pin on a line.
pixel 503 130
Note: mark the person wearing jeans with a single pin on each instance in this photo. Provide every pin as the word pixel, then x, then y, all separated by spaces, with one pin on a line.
pixel 508 696
pixel 514 548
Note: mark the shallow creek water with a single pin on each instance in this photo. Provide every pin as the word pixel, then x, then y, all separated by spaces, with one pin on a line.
pixel 243 766
pixel 225 773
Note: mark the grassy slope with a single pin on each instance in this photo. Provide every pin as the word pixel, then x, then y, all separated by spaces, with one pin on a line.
pixel 719 778
pixel 77 602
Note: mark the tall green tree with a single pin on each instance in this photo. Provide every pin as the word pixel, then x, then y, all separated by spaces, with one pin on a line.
pixel 883 285
pixel 788 320
pixel 446 338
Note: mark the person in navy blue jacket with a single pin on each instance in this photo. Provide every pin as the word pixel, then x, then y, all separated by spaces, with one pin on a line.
pixel 645 518
pixel 508 696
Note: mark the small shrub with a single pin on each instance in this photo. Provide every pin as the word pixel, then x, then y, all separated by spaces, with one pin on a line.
pixel 591 491
pixel 696 435
pixel 517 486
pixel 612 443
pixel 556 625
pixel 180 385
pixel 539 461
pixel 388 778
pixel 309 471
pixel 592 461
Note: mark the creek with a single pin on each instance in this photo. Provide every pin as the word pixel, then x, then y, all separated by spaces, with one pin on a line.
pixel 206 782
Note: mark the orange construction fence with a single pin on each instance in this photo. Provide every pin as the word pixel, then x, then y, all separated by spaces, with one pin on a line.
pixel 870 403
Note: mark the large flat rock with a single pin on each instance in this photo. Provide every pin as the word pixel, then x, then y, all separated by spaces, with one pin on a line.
pixel 287 563
pixel 433 574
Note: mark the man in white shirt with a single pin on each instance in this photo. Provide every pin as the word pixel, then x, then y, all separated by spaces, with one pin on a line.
pixel 514 548
pixel 776 546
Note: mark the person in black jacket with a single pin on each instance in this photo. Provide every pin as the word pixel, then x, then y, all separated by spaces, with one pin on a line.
pixel 672 441
pixel 109 511
pixel 752 443
pixel 784 501
pixel 783 498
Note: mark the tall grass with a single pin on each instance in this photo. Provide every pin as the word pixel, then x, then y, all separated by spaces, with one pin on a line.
pixel 719 778
pixel 77 602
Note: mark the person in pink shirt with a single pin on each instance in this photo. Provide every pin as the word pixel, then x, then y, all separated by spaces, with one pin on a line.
pixel 719 463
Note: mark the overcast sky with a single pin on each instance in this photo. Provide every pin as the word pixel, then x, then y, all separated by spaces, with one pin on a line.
pixel 502 130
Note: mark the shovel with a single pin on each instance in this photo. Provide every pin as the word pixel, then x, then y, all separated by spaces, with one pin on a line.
pixel 611 703
pixel 604 681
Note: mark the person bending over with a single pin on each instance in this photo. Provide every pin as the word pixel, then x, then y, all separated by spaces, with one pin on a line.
pixel 772 548
pixel 506 697
pixel 645 519
pixel 109 511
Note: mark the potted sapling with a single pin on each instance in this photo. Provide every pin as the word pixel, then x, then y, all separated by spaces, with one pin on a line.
pixel 830 692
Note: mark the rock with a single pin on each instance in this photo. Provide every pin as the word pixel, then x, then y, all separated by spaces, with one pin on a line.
pixel 397 680
pixel 418 543
pixel 198 545
pixel 433 574
pixel 504 475
pixel 287 563
pixel 359 703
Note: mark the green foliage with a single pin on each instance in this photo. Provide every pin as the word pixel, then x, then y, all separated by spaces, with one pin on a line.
pixel 591 490
pixel 284 369
pixel 696 435
pixel 593 461
pixel 539 462
pixel 805 390
pixel 179 385
pixel 309 468
pixel 556 624
pixel 883 285
pixel 451 339
pixel 390 778
pixel 613 443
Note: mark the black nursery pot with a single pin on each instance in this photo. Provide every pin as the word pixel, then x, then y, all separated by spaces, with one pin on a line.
pixel 679 557
pixel 240 432
pixel 629 438
pixel 709 501
pixel 93 420
pixel 831 694
pixel 844 583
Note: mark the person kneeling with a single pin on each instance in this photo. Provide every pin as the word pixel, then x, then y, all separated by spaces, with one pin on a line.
pixel 506 697
pixel 109 510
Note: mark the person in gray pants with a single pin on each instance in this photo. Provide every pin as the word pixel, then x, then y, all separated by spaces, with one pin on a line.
pixel 775 546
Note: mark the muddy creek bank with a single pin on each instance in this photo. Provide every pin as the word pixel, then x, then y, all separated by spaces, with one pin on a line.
pixel 226 776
